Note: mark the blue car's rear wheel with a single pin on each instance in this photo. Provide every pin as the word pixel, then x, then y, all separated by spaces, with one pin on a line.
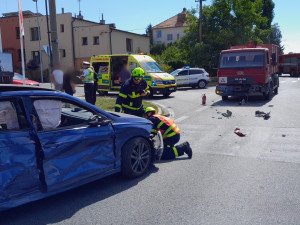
pixel 136 157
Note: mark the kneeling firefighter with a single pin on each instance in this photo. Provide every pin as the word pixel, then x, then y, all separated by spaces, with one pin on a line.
pixel 131 94
pixel 170 133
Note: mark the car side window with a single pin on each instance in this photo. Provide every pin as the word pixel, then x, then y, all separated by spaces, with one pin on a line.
pixel 194 72
pixel 60 113
pixel 183 73
pixel 12 116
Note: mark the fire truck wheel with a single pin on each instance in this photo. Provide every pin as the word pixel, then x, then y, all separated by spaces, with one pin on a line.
pixel 293 73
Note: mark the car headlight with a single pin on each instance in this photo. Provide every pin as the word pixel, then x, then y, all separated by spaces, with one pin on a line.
pixel 155 82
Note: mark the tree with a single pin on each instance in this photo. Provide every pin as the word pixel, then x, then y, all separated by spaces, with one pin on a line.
pixel 149 32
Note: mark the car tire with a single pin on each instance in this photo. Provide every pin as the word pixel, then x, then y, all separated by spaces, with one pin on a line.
pixel 202 84
pixel 224 98
pixel 136 157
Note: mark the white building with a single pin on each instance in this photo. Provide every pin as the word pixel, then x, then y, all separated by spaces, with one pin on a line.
pixel 170 30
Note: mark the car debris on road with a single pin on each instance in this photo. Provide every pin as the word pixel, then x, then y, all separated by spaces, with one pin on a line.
pixel 266 116
pixel 238 132
pixel 227 114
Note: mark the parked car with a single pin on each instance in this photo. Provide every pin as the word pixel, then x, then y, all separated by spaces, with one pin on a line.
pixel 51 142
pixel 18 79
pixel 191 77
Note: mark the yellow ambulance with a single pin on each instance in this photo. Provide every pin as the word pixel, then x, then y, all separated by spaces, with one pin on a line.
pixel 108 68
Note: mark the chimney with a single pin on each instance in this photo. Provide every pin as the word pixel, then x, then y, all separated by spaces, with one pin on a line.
pixel 62 10
pixel 181 16
pixel 102 21
pixel 80 17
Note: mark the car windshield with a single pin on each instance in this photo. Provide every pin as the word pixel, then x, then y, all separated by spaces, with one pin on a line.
pixel 151 67
pixel 251 59
pixel 175 72
pixel 18 76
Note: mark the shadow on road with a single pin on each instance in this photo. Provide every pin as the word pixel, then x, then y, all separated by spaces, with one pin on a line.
pixel 253 101
pixel 63 206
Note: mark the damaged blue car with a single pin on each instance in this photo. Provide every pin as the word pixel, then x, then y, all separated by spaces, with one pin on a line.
pixel 51 142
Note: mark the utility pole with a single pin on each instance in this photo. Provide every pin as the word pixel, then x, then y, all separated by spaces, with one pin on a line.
pixel 54 40
pixel 200 19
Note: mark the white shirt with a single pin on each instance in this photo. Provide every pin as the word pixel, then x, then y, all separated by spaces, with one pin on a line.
pixel 58 76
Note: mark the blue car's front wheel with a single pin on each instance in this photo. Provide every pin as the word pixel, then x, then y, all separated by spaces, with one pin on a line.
pixel 136 157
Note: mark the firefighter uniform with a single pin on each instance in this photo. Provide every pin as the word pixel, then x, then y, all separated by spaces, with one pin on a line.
pixel 130 100
pixel 171 136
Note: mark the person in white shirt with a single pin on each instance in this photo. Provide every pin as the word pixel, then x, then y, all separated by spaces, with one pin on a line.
pixel 57 78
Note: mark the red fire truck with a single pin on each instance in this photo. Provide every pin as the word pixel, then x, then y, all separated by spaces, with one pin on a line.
pixel 248 70
pixel 290 64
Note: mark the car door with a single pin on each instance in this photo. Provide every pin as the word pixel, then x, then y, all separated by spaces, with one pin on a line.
pixel 19 173
pixel 182 79
pixel 195 76
pixel 74 150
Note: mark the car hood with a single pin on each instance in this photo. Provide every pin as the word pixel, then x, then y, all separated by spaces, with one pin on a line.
pixel 163 76
pixel 126 118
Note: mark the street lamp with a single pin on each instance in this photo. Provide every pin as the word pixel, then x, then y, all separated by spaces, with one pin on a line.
pixel 39 34
pixel 200 19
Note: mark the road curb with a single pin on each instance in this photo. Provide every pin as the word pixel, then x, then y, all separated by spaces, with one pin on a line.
pixel 162 109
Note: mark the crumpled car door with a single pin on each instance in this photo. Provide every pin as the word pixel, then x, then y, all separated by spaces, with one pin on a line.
pixel 19 174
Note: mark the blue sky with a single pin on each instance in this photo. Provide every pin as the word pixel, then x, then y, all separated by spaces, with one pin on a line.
pixel 135 15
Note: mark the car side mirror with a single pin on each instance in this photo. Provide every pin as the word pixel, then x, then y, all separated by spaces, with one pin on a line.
pixel 96 120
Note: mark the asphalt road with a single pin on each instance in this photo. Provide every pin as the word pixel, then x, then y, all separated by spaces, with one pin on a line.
pixel 230 179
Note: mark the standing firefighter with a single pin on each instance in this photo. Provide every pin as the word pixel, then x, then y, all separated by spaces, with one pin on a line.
pixel 170 133
pixel 131 94
pixel 87 78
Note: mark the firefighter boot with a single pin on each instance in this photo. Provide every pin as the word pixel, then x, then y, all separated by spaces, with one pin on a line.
pixel 188 150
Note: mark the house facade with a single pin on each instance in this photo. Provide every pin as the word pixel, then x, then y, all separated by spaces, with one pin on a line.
pixel 79 39
pixel 171 29
pixel 10 35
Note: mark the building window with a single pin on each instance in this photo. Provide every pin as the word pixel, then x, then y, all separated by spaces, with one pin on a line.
pixel 177 36
pixel 63 53
pixel 20 56
pixel 62 28
pixel 158 42
pixel 129 45
pixel 34 34
pixel 170 37
pixel 159 33
pixel 84 41
pixel 36 57
pixel 96 40
pixel 18 32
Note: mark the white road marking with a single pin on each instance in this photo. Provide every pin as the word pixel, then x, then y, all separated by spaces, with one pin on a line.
pixel 282 81
pixel 181 119
pixel 201 109
pixel 294 81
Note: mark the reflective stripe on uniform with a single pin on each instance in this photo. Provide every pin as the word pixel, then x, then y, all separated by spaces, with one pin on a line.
pixel 153 131
pixel 122 95
pixel 134 95
pixel 168 130
pixel 175 151
pixel 132 108
pixel 117 105
pixel 160 124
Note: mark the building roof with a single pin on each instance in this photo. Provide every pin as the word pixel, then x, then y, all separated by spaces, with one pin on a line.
pixel 15 14
pixel 175 21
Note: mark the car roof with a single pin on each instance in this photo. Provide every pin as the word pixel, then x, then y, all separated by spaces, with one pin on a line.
pixel 11 87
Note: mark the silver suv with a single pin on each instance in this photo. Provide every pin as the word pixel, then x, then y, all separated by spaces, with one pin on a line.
pixel 193 77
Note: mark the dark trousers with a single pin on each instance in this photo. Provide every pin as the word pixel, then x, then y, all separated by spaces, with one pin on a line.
pixel 88 92
pixel 170 150
pixel 94 95
pixel 139 112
